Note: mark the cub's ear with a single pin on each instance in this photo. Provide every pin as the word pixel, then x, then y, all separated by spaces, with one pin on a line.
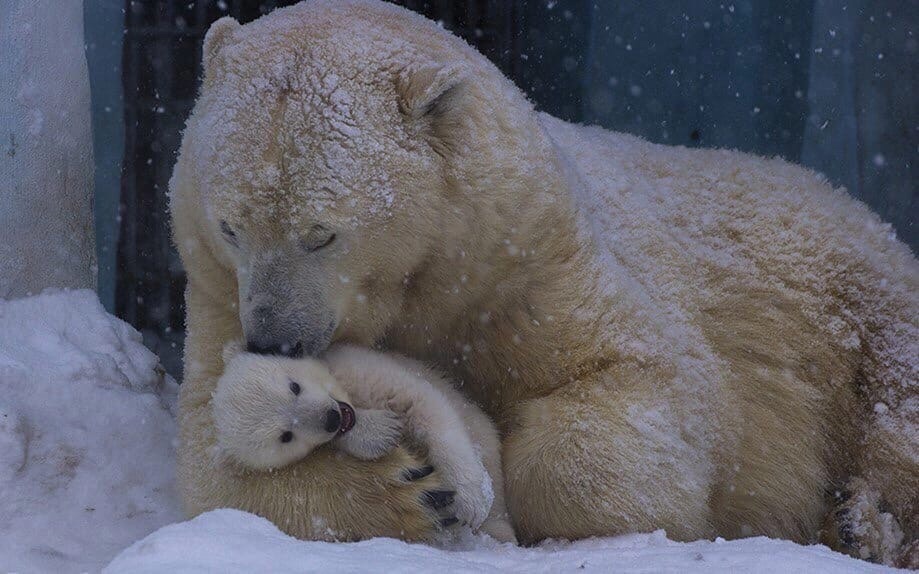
pixel 231 349
pixel 434 92
pixel 218 35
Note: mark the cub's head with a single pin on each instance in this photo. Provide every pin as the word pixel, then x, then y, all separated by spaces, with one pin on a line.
pixel 323 142
pixel 272 411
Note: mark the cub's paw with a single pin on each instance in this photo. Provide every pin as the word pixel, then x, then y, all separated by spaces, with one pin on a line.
pixel 376 433
pixel 416 504
pixel 473 494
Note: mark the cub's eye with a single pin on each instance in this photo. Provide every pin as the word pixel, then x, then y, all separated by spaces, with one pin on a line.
pixel 317 238
pixel 287 436
pixel 295 388
pixel 228 233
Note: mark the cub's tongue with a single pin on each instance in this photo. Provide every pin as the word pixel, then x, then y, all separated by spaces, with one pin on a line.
pixel 347 417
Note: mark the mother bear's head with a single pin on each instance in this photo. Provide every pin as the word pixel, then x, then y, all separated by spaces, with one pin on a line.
pixel 346 155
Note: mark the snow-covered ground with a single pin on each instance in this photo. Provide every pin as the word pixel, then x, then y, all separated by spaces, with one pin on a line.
pixel 86 435
pixel 230 541
pixel 87 450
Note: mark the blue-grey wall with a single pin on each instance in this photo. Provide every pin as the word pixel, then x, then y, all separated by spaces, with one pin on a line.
pixel 104 29
pixel 825 83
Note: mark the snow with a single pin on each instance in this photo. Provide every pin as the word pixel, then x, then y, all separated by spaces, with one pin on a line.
pixel 232 541
pixel 87 458
pixel 86 435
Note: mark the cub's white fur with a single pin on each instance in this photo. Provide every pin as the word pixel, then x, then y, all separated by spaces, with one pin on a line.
pixel 254 406
pixel 270 412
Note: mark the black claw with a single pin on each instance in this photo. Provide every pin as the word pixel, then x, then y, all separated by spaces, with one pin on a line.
pixel 446 522
pixel 413 474
pixel 438 499
pixel 846 536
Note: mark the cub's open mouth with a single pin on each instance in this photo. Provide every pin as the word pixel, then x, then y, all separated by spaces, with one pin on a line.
pixel 347 417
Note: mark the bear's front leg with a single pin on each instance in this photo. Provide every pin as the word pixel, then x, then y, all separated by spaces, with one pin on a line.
pixel 606 456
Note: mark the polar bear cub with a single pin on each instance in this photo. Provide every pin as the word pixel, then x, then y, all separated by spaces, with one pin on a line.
pixel 271 411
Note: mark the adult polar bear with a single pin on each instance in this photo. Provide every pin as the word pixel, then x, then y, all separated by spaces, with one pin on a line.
pixel 696 340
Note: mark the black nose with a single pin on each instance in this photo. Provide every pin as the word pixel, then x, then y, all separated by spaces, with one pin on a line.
pixel 332 421
pixel 293 350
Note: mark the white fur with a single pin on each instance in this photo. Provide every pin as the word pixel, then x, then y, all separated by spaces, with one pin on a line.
pixel 697 340
pixel 253 406
pixel 455 434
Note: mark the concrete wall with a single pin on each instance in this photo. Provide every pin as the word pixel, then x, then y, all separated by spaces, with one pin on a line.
pixel 46 161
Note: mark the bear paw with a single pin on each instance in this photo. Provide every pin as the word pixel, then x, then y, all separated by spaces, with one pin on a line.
pixel 376 433
pixel 858 526
pixel 435 496
pixel 473 495
pixel 500 529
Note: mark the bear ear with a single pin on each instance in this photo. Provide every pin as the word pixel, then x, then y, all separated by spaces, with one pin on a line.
pixel 434 94
pixel 218 36
pixel 431 89
pixel 231 349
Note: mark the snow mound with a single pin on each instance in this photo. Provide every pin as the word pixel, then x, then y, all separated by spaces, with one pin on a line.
pixel 231 541
pixel 87 435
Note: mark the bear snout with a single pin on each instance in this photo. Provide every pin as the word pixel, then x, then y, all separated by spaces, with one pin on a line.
pixel 292 350
pixel 293 338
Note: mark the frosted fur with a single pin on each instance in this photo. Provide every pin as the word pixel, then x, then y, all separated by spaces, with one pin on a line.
pixel 697 340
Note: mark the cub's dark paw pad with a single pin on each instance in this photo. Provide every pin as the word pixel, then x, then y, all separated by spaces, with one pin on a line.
pixel 438 499
pixel 413 474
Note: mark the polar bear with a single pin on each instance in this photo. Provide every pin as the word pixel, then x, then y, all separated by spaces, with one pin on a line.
pixel 270 411
pixel 266 418
pixel 702 341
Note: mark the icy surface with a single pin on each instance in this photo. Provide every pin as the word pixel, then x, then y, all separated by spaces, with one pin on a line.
pixel 231 541
pixel 86 435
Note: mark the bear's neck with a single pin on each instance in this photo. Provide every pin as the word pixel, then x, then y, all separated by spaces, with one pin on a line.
pixel 505 309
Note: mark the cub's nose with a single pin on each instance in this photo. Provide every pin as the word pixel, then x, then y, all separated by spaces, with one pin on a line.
pixel 293 350
pixel 332 421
